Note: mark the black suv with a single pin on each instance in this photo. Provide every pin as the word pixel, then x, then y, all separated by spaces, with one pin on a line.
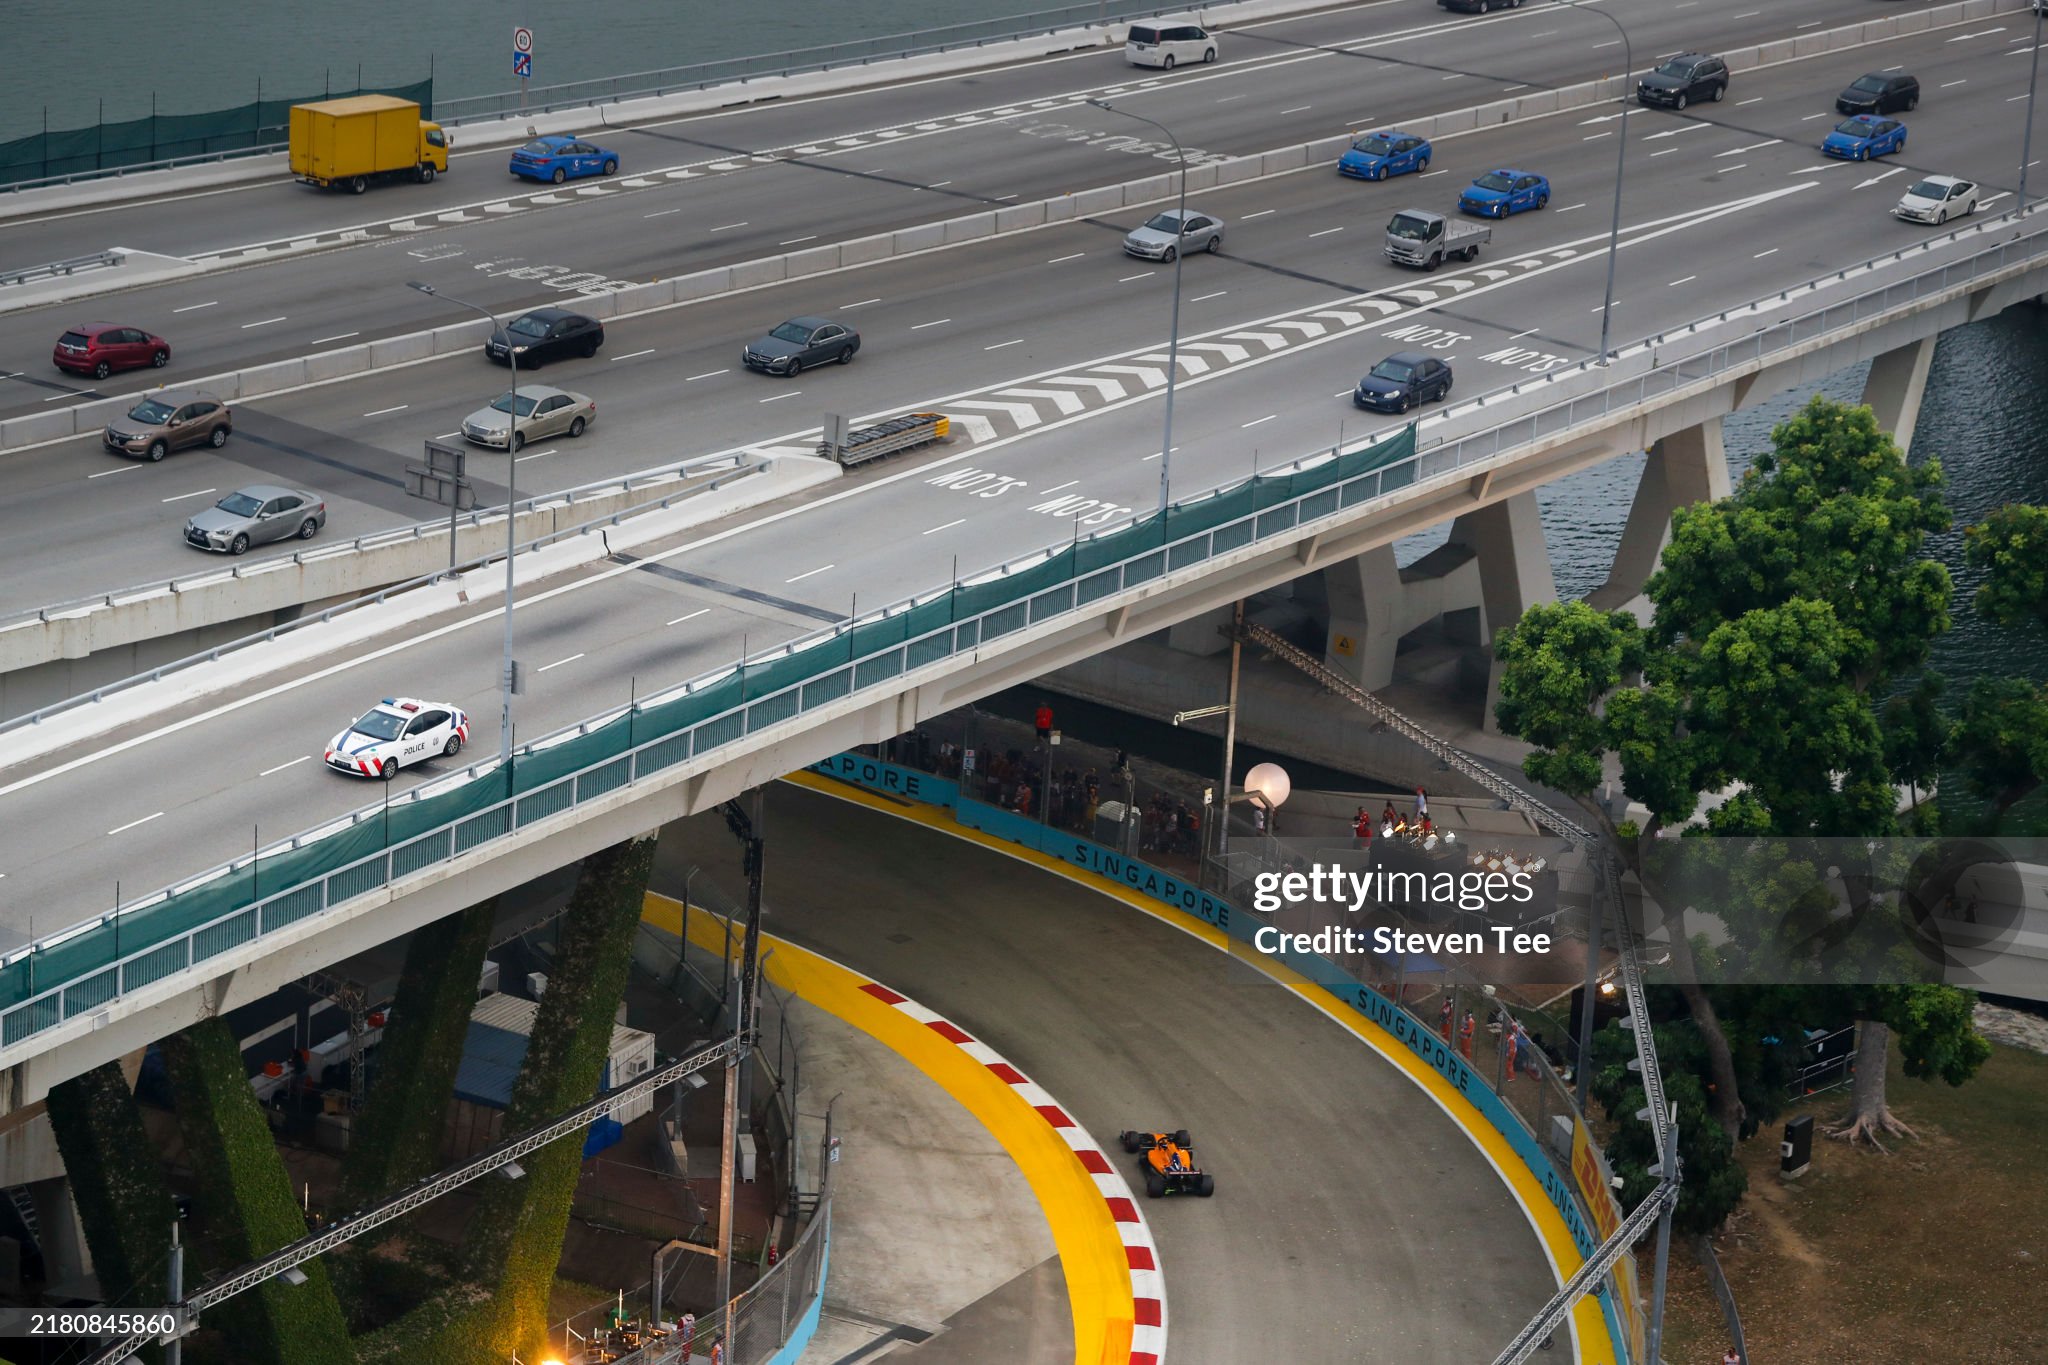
pixel 1685 78
pixel 1880 92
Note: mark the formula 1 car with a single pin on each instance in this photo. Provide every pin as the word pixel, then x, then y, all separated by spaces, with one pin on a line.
pixel 1169 1163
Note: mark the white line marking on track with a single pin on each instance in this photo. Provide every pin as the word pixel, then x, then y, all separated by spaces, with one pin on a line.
pixel 535 456
pixel 1260 214
pixel 344 336
pixel 727 227
pixel 662 214
pixel 133 823
pixel 706 375
pixel 1000 344
pixel 124 469
pixel 632 355
pixel 1200 298
pixel 1324 233
pixel 383 412
pixel 1740 165
pixel 1431 175
pixel 1298 109
pixel 1753 99
pixel 1686 280
pixel 282 766
pixel 691 617
pixel 1128 278
pixel 1948 84
pixel 947 527
pixel 1257 421
pixel 559 662
pixel 265 323
pixel 807 573
pixel 2011 98
pixel 195 307
pixel 182 496
pixel 1761 254
pixel 1061 260
pixel 936 322
pixel 862 304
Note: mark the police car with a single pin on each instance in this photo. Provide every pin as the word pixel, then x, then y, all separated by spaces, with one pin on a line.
pixel 396 733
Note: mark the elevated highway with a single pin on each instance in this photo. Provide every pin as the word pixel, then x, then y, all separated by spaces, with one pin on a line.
pixel 166 780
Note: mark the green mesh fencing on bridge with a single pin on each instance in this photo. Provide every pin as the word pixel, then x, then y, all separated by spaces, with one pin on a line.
pixel 118 144
pixel 374 846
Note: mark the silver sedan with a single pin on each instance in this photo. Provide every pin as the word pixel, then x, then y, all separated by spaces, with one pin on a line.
pixel 254 515
pixel 1167 235
pixel 543 412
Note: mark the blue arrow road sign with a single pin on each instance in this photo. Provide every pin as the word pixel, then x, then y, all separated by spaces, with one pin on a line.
pixel 522 63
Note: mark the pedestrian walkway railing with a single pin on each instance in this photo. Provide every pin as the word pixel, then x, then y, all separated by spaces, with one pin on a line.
pixel 83 968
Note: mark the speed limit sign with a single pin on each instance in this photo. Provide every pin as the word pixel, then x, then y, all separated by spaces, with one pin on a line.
pixel 522 40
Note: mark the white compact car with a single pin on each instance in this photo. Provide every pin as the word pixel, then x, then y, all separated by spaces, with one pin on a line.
pixel 396 733
pixel 1937 199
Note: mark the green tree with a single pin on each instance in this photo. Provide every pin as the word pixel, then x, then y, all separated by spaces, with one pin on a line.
pixel 1713 1181
pixel 2001 741
pixel 2011 547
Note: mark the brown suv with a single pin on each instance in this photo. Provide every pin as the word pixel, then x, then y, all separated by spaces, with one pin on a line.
pixel 164 422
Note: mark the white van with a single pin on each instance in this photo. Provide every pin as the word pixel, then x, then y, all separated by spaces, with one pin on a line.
pixel 1168 43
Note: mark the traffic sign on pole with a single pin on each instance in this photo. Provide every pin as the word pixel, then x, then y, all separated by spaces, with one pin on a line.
pixel 522 59
pixel 522 64
pixel 522 40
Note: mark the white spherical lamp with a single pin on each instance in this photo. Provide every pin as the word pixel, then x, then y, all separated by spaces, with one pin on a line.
pixel 1270 781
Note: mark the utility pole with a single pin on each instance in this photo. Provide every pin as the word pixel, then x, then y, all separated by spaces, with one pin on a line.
pixel 175 1283
pixel 746 826
pixel 1229 730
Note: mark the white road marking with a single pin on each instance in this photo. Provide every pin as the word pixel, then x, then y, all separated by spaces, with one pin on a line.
pixel 938 185
pixel 1687 280
pixel 1258 421
pixel 947 527
pixel 662 214
pixel 535 456
pixel 808 573
pixel 780 396
pixel 282 766
pixel 1740 165
pixel 182 496
pixel 446 435
pixel 344 336
pixel 1260 214
pixel 1431 175
pixel 727 227
pixel 1896 170
pixel 1067 403
pixel 936 322
pixel 1068 484
pixel 1000 344
pixel 1666 152
pixel 265 323
pixel 382 412
pixel 1595 137
pixel 1811 23
pixel 1298 109
pixel 124 469
pixel 632 355
pixel 1510 89
pixel 691 617
pixel 1203 298
pixel 1128 278
pixel 1816 170
pixel 1060 260
pixel 1519 335
pixel 1980 33
pixel 1948 84
pixel 1811 117
pixel 1761 254
pixel 706 375
pixel 2009 99
pixel 862 304
pixel 195 307
pixel 1753 99
pixel 1751 147
pixel 794 240
pixel 133 823
pixel 1611 42
pixel 559 662
pixel 1324 233
pixel 1570 208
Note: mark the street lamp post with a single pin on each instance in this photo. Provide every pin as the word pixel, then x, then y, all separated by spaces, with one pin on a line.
pixel 2033 77
pixel 1620 167
pixel 1173 335
pixel 511 513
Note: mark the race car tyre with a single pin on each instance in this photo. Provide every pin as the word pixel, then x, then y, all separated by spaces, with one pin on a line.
pixel 1206 1186
pixel 1155 1184
pixel 1181 1138
pixel 452 747
pixel 1130 1140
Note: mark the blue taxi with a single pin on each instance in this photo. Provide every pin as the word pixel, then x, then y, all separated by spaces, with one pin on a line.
pixel 1500 193
pixel 556 158
pixel 1375 156
pixel 1865 136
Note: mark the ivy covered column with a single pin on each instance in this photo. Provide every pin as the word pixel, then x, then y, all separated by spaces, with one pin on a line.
pixel 397 1138
pixel 245 1198
pixel 122 1199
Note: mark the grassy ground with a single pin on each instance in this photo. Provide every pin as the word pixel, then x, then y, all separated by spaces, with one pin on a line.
pixel 1937 1252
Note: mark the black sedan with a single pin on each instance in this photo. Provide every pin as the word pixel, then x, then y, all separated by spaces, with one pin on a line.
pixel 799 344
pixel 1401 381
pixel 545 334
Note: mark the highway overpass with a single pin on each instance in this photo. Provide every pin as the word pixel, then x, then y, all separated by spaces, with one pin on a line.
pixel 1748 265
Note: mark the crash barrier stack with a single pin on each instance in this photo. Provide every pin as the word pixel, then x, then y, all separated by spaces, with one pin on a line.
pixel 137 944
pixel 886 438
pixel 156 138
pixel 1532 1109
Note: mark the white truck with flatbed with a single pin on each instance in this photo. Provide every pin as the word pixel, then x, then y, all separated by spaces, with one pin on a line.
pixel 1418 237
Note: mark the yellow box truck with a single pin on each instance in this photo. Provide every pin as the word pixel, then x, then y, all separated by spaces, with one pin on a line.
pixel 349 143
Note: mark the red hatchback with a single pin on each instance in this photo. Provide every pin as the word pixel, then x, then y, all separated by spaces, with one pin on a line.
pixel 100 348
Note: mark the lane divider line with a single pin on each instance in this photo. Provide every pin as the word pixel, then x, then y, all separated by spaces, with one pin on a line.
pixel 1115 1290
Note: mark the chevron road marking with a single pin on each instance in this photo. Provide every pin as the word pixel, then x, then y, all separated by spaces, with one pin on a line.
pixel 638 182
pixel 682 175
pixel 1307 329
pixel 456 217
pixel 977 428
pixel 1347 319
pixel 1068 403
pixel 726 165
pixel 591 191
pixel 1153 379
pixel 1272 341
pixel 1415 296
pixel 402 225
pixel 507 207
pixel 1108 388
pixel 547 199
pixel 1195 363
pixel 1491 275
pixel 1231 354
pixel 1457 284
pixel 1023 414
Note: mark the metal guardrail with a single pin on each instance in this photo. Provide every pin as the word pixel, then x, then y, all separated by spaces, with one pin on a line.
pixel 424 530
pixel 856 52
pixel 886 665
pixel 99 260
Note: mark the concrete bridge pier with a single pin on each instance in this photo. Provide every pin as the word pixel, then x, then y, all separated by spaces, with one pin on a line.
pixel 1506 538
pixel 1895 385
pixel 1683 468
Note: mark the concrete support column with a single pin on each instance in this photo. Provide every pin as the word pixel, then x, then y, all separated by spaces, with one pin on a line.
pixel 1893 389
pixel 1683 468
pixel 1364 597
pixel 1514 570
pixel 67 1262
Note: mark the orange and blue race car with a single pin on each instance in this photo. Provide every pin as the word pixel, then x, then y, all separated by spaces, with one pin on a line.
pixel 1168 1164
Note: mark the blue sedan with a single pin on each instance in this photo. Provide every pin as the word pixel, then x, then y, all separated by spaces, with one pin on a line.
pixel 1865 136
pixel 556 158
pixel 1375 156
pixel 1500 193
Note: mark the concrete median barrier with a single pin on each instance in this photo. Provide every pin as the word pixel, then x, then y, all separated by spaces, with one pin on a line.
pixel 703 284
pixel 863 250
pixel 970 228
pixel 35 429
pixel 754 274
